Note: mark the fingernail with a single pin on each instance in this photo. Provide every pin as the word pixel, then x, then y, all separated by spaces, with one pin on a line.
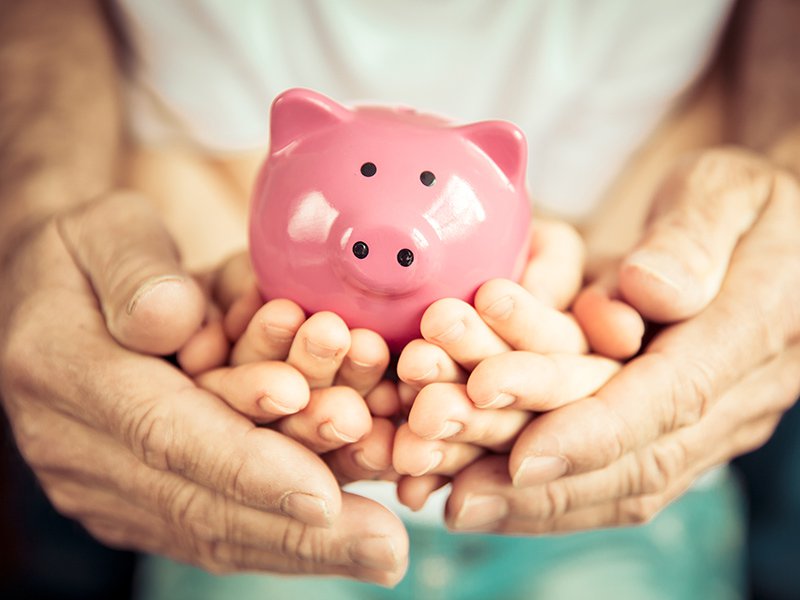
pixel 500 401
pixel 661 267
pixel 362 460
pixel 279 334
pixel 436 459
pixel 478 511
pixel 428 375
pixel 449 429
pixel 273 407
pixel 328 432
pixel 500 309
pixel 452 334
pixel 306 508
pixel 536 470
pixel 148 286
pixel 374 553
pixel 357 365
pixel 320 351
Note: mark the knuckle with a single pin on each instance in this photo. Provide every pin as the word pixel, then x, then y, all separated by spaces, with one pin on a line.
pixel 301 543
pixel 188 509
pixel 694 394
pixel 556 502
pixel 638 510
pixel 150 433
pixel 688 388
pixel 659 467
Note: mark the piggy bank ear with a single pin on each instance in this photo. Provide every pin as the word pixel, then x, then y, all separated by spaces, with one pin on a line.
pixel 504 143
pixel 298 112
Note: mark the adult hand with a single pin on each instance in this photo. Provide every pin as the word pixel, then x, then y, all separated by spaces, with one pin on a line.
pixel 127 445
pixel 722 252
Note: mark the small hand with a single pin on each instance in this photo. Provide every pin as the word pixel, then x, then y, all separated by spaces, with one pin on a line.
pixel 483 373
pixel 315 380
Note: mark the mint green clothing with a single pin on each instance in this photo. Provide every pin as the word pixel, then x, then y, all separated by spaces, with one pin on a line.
pixel 692 550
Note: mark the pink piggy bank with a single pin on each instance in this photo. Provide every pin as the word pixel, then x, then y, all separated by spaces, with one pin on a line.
pixel 374 213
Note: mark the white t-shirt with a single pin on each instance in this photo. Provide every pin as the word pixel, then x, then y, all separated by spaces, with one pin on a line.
pixel 586 80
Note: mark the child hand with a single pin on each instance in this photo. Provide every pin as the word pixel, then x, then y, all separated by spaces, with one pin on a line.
pixel 483 372
pixel 313 379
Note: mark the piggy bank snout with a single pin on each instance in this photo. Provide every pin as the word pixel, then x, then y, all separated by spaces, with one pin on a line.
pixel 383 260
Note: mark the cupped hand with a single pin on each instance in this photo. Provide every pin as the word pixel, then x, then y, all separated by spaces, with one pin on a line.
pixel 311 378
pixel 482 373
pixel 721 253
pixel 128 445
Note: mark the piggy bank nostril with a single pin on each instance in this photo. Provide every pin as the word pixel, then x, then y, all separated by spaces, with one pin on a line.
pixel 360 249
pixel 405 257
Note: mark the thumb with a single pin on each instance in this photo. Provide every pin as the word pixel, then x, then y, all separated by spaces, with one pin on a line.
pixel 701 211
pixel 149 303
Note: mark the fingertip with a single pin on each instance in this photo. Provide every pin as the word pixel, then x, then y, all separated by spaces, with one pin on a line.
pixel 414 492
pixel 161 315
pixel 384 400
pixel 418 362
pixel 240 312
pixel 283 389
pixel 613 328
pixel 494 299
pixel 443 321
pixel 207 349
pixel 659 286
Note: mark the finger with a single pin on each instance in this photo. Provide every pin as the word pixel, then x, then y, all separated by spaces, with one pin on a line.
pixel 414 492
pixel 263 391
pixel 159 418
pixel 126 503
pixel 422 362
pixel 365 363
pixel 612 327
pixel 679 379
pixel 554 273
pixel 207 349
pixel 707 204
pixel 334 417
pixel 413 455
pixel 270 333
pixel 241 312
pixel 444 411
pixel 319 347
pixel 368 458
pixel 233 280
pixel 407 394
pixel 524 380
pixel 368 542
pixel 384 400
pixel 524 322
pixel 454 326
pixel 149 303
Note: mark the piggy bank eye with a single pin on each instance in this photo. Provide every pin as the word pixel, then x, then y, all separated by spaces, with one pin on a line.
pixel 368 169
pixel 360 250
pixel 427 178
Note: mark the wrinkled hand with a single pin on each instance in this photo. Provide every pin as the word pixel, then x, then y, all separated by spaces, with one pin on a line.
pixel 721 252
pixel 128 445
